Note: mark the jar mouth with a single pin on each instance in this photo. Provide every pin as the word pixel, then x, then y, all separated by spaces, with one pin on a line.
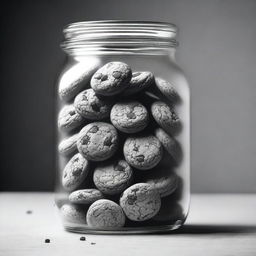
pixel 119 37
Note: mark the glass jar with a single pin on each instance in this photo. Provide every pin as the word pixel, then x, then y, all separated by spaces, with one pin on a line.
pixel 123 129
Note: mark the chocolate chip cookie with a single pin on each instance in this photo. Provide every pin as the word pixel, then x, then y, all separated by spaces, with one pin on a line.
pixel 73 214
pixel 75 172
pixel 113 177
pixel 85 196
pixel 92 107
pixel 97 141
pixel 139 81
pixel 129 116
pixel 166 117
pixel 167 89
pixel 105 214
pixel 171 145
pixel 165 183
pixel 68 145
pixel 75 80
pixel 143 152
pixel 140 202
pixel 111 79
pixel 69 119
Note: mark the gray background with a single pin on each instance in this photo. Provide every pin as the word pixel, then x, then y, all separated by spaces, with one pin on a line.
pixel 217 51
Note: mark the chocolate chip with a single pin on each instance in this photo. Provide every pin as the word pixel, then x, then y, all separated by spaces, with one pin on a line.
pixel 135 148
pixel 28 212
pixel 94 129
pixel 86 140
pixel 95 107
pixel 82 238
pixel 140 158
pixel 116 74
pixel 47 241
pixel 72 113
pixel 131 199
pixel 93 243
pixel 131 115
pixel 97 76
pixel 77 173
pixel 107 142
pixel 104 78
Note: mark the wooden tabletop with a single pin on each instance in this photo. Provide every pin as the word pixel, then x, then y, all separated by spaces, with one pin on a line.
pixel 218 224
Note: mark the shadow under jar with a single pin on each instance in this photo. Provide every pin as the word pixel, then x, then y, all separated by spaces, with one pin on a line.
pixel 123 127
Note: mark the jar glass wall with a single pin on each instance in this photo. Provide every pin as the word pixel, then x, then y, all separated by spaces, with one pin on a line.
pixel 123 127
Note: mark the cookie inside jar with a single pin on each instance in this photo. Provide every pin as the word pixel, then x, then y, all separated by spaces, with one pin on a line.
pixel 123 144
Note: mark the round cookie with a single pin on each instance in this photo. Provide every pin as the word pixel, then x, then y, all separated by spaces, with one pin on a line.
pixel 143 152
pixel 75 80
pixel 69 119
pixel 90 106
pixel 165 183
pixel 166 89
pixel 75 172
pixel 113 178
pixel 105 214
pixel 170 211
pixel 73 214
pixel 97 141
pixel 129 116
pixel 68 145
pixel 139 81
pixel 170 144
pixel 85 196
pixel 140 202
pixel 165 117
pixel 111 79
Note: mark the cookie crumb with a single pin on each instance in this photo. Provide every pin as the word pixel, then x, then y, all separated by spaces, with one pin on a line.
pixel 47 241
pixel 29 212
pixel 82 238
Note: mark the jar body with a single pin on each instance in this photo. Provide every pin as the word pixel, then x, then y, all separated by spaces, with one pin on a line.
pixel 81 184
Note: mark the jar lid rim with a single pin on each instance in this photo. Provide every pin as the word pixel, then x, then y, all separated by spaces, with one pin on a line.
pixel 141 23
pixel 116 35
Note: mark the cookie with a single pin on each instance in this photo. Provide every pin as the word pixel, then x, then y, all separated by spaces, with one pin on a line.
pixel 97 141
pixel 129 116
pixel 170 144
pixel 75 172
pixel 90 106
pixel 111 79
pixel 68 145
pixel 169 212
pixel 73 214
pixel 105 214
pixel 140 202
pixel 166 89
pixel 143 152
pixel 69 119
pixel 166 117
pixel 139 81
pixel 113 178
pixel 85 196
pixel 75 80
pixel 165 183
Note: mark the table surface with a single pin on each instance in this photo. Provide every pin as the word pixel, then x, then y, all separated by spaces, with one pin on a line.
pixel 218 224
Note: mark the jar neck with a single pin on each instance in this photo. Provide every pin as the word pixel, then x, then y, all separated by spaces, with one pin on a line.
pixel 120 38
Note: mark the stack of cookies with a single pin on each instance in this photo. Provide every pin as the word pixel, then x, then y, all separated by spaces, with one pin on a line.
pixel 118 131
